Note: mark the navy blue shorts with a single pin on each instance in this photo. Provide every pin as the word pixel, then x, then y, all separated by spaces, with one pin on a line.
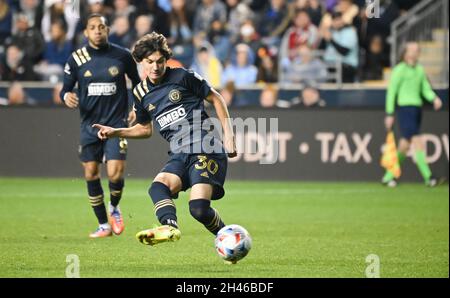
pixel 199 168
pixel 409 121
pixel 102 151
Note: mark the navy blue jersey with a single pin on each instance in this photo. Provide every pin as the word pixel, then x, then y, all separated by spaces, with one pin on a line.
pixel 102 90
pixel 176 107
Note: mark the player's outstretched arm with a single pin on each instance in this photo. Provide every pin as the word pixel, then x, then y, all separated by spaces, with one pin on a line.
pixel 218 102
pixel 138 131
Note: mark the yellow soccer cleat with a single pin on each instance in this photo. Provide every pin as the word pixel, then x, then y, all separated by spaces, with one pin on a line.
pixel 159 235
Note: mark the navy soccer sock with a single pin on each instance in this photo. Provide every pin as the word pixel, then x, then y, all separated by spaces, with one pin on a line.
pixel 165 208
pixel 95 192
pixel 201 210
pixel 115 190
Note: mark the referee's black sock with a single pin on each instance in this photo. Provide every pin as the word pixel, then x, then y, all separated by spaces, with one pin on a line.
pixel 165 208
pixel 201 210
pixel 95 192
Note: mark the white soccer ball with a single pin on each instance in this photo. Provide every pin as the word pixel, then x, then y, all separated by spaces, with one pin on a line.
pixel 233 243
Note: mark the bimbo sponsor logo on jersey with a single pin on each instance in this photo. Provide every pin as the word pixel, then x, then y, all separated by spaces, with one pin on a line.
pixel 171 117
pixel 102 89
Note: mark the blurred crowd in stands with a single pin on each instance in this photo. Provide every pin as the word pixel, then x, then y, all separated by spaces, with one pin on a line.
pixel 231 43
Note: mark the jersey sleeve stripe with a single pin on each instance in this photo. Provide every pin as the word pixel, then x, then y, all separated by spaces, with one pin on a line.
pixel 77 60
pixel 80 55
pixel 86 54
pixel 140 90
pixel 135 92
pixel 145 85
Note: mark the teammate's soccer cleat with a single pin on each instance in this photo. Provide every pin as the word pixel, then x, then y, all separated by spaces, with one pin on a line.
pixel 101 232
pixel 116 220
pixel 159 235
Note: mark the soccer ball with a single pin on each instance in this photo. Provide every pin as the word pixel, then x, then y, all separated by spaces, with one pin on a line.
pixel 233 243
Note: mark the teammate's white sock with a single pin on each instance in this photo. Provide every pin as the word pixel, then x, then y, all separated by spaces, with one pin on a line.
pixel 105 226
pixel 112 208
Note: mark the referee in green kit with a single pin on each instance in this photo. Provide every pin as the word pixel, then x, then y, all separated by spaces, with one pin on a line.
pixel 408 88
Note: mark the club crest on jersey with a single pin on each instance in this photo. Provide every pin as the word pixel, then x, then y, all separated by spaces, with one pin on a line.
pixel 113 71
pixel 175 96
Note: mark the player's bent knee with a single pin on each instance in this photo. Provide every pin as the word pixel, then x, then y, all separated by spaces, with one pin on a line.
pixel 198 213
pixel 200 210
pixel 171 181
pixel 115 177
pixel 91 171
pixel 91 175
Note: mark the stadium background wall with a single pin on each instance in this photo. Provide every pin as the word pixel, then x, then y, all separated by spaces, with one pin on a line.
pixel 350 98
pixel 322 145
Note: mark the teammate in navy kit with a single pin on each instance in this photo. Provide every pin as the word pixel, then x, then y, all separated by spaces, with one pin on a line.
pixel 100 68
pixel 172 102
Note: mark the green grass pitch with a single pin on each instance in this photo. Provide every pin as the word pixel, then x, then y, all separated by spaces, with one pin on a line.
pixel 298 230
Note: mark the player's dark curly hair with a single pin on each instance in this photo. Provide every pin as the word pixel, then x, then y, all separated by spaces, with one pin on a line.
pixel 149 44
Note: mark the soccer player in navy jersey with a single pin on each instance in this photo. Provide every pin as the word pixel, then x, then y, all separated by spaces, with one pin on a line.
pixel 100 68
pixel 172 102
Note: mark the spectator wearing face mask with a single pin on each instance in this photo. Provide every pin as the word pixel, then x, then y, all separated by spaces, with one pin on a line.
pixel 238 12
pixel 249 36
